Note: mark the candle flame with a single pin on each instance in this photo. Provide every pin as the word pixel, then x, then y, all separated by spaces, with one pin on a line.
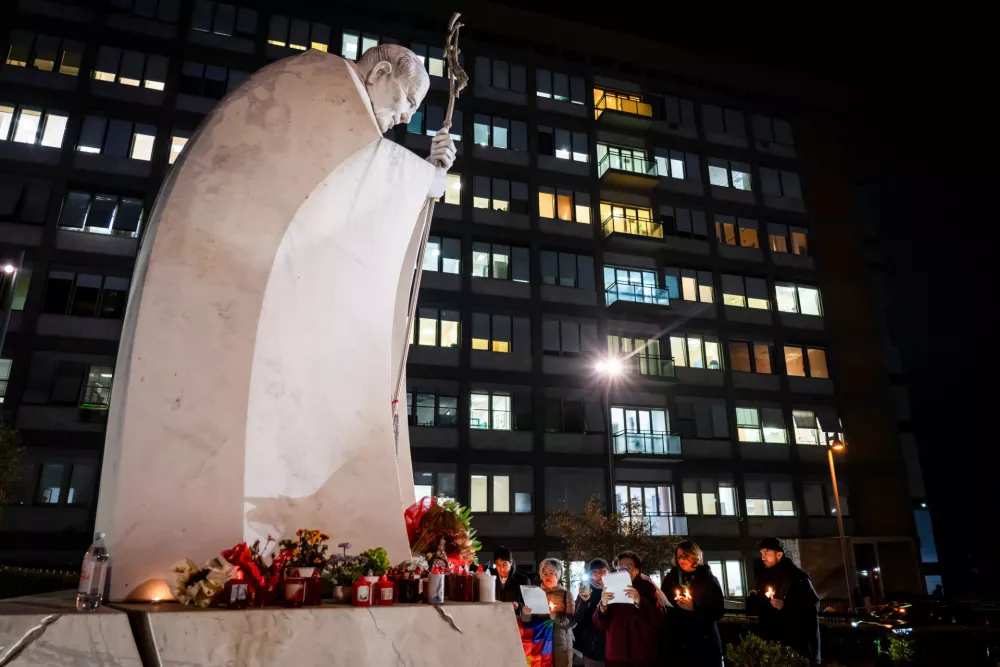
pixel 769 593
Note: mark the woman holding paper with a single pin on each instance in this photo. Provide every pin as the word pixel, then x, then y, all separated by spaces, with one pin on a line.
pixel 696 605
pixel 629 615
pixel 551 627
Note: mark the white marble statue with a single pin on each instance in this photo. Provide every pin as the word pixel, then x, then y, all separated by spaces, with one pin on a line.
pixel 266 323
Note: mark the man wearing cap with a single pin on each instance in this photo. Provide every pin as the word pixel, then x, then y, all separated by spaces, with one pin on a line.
pixel 785 601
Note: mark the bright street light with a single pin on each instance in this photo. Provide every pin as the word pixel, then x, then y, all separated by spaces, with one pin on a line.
pixel 838 445
pixel 8 268
pixel 610 367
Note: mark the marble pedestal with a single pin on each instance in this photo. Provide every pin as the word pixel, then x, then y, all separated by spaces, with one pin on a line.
pixel 46 630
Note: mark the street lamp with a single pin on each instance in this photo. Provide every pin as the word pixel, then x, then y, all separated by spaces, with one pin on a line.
pixel 9 269
pixel 838 445
pixel 609 368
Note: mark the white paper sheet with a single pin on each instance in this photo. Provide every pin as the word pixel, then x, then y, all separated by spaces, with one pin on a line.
pixel 535 600
pixel 616 582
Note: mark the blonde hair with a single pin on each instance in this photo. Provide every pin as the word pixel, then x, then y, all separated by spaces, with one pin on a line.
pixel 692 550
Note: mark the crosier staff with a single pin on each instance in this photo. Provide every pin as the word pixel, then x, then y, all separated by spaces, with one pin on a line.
pixel 457 80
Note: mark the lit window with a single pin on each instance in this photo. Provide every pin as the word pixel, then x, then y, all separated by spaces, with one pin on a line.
pixel 490 411
pixel 349 45
pixel 491 332
pixel 97 392
pixel 4 377
pixel 724 173
pixel 54 129
pixel 142 146
pixel 436 328
pixel 730 576
pixel 709 497
pixel 809 361
pixel 453 189
pixel 806 431
pixel 442 255
pixel 798 299
pixel 26 129
pixel 177 144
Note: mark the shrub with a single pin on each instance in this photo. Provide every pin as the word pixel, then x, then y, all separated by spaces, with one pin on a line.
pixel 752 651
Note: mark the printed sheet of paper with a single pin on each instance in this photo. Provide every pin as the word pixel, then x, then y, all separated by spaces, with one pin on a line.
pixel 616 582
pixel 535 600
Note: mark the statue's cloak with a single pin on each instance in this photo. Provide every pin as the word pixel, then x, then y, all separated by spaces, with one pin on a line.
pixel 264 330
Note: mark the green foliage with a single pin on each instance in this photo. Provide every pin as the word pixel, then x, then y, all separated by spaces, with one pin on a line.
pixel 464 515
pixel 901 649
pixel 19 581
pixel 752 651
pixel 11 453
pixel 378 561
pixel 345 570
pixel 595 534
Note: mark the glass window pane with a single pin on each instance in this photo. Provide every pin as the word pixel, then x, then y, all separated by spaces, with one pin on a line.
pixel 739 356
pixel 713 357
pixel 734 578
pixel 762 358
pixel 81 484
pixel 817 363
pixel 50 483
pixel 727 500
pixel 27 126
pixel 783 508
pixel 501 493
pixel 794 363
pixel 708 504
pixel 677 350
pixel 55 127
pixel 449 328
pixel 478 493
pixel 809 301
pixel 716 568
pixel 785 296
pixel 479 411
pixel 718 176
pixel 757 507
pixel 522 503
pixel 695 359
pixel 546 204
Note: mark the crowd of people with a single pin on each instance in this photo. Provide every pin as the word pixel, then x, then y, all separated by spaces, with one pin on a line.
pixel 658 625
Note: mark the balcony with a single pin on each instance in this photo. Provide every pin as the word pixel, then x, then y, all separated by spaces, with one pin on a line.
pixel 650 365
pixel 648 294
pixel 628 171
pixel 623 110
pixel 630 225
pixel 659 524
pixel 650 443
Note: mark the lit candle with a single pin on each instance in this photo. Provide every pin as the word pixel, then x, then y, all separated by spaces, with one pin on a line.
pixel 687 593
pixel 769 593
pixel 552 606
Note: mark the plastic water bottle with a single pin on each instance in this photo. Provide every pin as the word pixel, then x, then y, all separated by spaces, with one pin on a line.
pixel 95 570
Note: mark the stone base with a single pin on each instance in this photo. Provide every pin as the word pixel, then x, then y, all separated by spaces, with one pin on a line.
pixel 47 630
pixel 50 632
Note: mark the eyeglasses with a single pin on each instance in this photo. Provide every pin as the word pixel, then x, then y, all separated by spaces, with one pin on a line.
pixel 684 556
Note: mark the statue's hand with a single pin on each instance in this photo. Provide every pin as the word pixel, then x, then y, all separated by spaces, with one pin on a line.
pixel 442 150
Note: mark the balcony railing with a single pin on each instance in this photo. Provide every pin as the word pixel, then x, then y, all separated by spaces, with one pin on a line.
pixel 632 225
pixel 617 291
pixel 611 102
pixel 650 364
pixel 635 165
pixel 659 524
pixel 650 443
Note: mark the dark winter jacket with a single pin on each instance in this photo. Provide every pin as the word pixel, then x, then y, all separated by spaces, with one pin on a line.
pixel 510 590
pixel 797 623
pixel 630 631
pixel 589 640
pixel 692 637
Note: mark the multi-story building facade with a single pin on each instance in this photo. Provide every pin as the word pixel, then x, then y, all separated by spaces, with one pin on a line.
pixel 609 205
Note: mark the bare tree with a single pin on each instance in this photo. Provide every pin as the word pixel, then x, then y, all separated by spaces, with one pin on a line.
pixel 595 534
pixel 11 453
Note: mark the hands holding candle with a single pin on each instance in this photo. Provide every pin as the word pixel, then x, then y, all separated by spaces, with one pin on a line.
pixel 775 602
pixel 683 599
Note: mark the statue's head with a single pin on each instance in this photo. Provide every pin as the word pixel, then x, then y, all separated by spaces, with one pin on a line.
pixel 396 83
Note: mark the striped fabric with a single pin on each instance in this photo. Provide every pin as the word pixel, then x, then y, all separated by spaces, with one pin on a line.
pixel 536 638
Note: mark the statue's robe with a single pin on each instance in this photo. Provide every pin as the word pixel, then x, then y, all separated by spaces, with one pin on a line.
pixel 264 331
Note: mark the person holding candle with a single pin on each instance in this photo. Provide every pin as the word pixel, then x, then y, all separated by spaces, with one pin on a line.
pixel 696 605
pixel 785 601
pixel 589 641
pixel 550 631
pixel 631 628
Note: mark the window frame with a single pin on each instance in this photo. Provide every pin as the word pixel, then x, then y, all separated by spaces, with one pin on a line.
pixel 445 245
pixel 514 190
pixel 64 48
pixel 752 349
pixel 16 111
pixel 413 405
pixel 493 411
pixel 314 32
pixel 577 207
pixel 417 330
pixel 798 299
pixel 741 227
pixel 704 340
pixel 493 343
pixel 110 230
pixel 575 84
pixel 729 166
pixel 491 262
pixel 713 486
pixel 807 362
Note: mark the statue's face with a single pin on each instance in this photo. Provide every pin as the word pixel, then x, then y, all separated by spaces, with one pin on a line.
pixel 394 98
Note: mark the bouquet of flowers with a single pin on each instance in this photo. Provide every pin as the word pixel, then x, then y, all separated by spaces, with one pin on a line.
pixel 440 528
pixel 344 570
pixel 261 576
pixel 199 585
pixel 412 564
pixel 308 549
